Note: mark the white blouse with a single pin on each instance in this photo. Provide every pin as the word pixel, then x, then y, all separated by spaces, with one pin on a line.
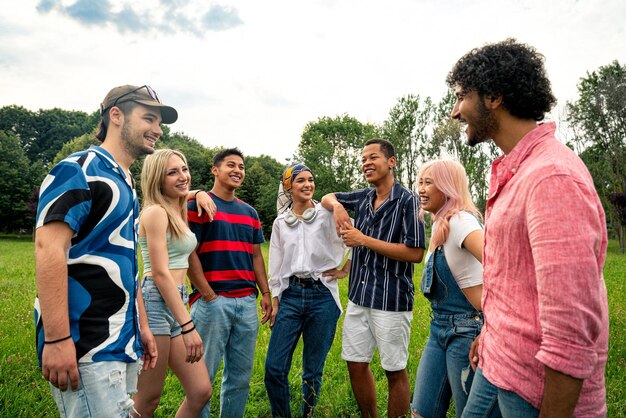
pixel 305 250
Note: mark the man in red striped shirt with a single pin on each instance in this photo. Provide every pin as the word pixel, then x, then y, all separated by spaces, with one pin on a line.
pixel 226 270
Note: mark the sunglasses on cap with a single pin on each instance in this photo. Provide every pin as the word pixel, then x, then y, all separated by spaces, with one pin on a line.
pixel 153 95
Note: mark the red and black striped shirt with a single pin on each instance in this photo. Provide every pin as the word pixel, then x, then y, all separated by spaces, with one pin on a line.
pixel 226 246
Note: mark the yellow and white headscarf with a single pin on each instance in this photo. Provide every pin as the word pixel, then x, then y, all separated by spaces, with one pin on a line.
pixel 283 201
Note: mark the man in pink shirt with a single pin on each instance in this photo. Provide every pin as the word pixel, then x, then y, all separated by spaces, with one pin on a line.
pixel 545 339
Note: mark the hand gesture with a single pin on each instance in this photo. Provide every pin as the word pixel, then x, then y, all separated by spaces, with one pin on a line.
pixel 473 353
pixel 150 353
pixel 58 364
pixel 204 201
pixel 274 311
pixel 351 236
pixel 334 274
pixel 266 308
pixel 340 215
pixel 193 346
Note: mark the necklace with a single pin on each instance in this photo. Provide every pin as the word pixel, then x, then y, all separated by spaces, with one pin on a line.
pixel 383 196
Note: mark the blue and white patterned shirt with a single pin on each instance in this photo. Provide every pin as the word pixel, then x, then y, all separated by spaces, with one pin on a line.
pixel 377 281
pixel 91 193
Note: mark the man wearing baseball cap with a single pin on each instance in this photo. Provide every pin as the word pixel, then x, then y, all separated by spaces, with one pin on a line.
pixel 89 332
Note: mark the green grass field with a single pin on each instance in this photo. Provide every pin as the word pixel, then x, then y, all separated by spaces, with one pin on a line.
pixel 24 393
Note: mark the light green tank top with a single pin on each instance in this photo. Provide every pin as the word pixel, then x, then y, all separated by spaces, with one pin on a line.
pixel 178 251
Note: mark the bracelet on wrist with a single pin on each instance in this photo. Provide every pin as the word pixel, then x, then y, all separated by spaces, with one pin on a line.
pixel 186 323
pixel 58 341
pixel 188 331
pixel 266 292
pixel 196 194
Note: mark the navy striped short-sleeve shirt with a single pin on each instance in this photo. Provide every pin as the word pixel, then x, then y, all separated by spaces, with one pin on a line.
pixel 377 281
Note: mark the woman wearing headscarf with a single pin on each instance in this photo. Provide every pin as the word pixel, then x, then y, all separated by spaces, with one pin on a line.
pixel 304 263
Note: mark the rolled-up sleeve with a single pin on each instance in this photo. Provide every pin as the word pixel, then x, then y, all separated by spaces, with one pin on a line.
pixel 567 251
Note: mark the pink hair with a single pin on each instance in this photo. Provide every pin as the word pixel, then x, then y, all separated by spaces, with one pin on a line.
pixel 449 177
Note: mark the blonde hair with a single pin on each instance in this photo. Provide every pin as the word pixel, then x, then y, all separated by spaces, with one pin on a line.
pixel 449 177
pixel 152 176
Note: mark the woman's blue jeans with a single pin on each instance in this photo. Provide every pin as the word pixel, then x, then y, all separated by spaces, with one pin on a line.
pixel 444 370
pixel 308 310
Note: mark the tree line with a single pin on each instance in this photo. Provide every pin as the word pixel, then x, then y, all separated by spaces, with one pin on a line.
pixel 419 127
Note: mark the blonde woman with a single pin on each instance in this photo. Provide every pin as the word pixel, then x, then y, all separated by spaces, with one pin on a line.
pixel 452 282
pixel 166 243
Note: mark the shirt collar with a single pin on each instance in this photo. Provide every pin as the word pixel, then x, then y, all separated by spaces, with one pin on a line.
pixel 108 160
pixel 396 193
pixel 506 166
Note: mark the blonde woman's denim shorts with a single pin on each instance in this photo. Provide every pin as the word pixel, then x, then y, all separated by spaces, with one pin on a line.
pixel 160 317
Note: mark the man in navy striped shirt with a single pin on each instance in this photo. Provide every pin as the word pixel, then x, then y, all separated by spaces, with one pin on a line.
pixel 387 238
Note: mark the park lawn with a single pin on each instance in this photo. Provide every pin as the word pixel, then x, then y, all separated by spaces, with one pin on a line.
pixel 24 393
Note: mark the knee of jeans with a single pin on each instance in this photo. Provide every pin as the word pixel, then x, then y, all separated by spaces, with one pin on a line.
pixel 125 406
pixel 465 374
pixel 273 373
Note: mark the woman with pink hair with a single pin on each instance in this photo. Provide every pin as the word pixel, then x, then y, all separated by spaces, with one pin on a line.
pixel 452 282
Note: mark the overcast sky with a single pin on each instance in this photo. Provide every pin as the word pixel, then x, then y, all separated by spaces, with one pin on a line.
pixel 253 73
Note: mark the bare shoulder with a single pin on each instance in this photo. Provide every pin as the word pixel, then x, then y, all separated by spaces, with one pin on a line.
pixel 153 214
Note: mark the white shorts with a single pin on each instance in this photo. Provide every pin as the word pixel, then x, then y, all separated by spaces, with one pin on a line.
pixel 364 329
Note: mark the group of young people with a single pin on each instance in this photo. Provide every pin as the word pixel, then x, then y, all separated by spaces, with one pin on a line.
pixel 509 334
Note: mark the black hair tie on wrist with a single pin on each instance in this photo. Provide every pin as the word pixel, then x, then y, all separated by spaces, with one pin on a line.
pixel 189 330
pixel 59 340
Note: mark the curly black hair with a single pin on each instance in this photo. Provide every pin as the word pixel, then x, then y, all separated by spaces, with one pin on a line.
pixel 510 70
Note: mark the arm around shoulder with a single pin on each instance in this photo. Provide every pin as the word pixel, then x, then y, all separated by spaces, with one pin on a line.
pixel 329 201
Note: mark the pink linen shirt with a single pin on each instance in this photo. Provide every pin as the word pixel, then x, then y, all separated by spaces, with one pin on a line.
pixel 544 297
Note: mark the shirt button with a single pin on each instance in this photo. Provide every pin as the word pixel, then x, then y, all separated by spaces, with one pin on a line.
pixel 477 318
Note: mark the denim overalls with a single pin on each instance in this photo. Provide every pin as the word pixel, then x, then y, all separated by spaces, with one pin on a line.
pixel 444 368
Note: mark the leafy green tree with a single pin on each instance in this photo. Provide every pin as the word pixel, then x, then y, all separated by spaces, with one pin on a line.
pixel 43 133
pixel 16 184
pixel 260 188
pixel 599 119
pixel 332 148
pixel 409 128
pixel 76 144
pixel 19 121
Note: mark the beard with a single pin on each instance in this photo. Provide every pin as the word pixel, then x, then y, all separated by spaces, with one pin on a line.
pixel 133 142
pixel 483 127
